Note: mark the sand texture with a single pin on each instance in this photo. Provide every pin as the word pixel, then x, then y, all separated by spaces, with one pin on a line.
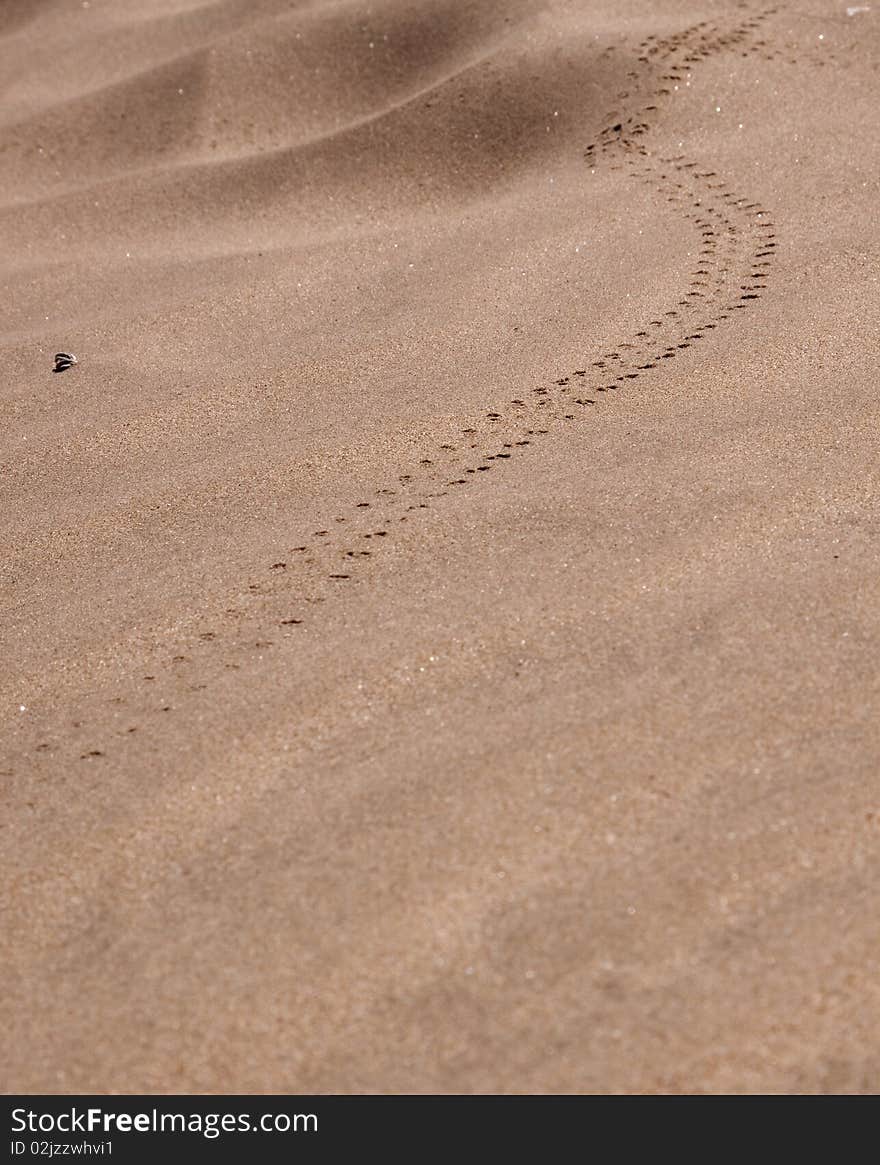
pixel 440 609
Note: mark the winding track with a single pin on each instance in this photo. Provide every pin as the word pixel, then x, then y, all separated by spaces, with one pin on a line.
pixel 737 243
pixel 736 249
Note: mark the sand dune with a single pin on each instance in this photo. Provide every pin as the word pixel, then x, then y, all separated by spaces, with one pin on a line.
pixel 439 607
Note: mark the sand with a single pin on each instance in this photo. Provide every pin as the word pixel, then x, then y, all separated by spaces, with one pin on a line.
pixel 440 609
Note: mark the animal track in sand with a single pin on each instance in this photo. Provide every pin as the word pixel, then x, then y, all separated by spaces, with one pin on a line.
pixel 736 245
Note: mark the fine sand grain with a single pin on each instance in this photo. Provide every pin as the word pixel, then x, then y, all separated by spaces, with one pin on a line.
pixel 440 609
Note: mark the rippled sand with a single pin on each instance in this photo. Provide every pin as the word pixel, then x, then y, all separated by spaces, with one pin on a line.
pixel 440 608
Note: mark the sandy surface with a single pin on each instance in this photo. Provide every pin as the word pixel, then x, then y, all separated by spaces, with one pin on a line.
pixel 440 610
